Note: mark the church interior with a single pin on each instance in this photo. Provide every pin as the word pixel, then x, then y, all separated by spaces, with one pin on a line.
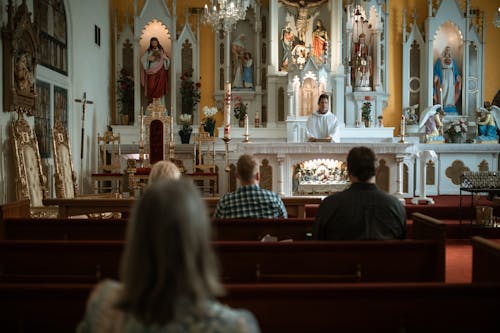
pixel 94 93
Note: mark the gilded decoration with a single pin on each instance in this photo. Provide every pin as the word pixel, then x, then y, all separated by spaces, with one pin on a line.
pixel 158 127
pixel 483 166
pixel 20 57
pixel 64 175
pixel 266 175
pixel 382 175
pixel 30 181
pixel 455 171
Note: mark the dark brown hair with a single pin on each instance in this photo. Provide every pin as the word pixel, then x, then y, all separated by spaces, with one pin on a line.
pixel 361 163
pixel 168 257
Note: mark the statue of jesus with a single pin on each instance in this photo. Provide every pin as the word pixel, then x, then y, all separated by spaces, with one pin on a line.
pixel 303 16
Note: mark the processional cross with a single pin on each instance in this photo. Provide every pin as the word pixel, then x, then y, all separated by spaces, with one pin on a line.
pixel 84 102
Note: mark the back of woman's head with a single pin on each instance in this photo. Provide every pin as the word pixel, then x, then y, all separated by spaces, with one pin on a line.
pixel 168 257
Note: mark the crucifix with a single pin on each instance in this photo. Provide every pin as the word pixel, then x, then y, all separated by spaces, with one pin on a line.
pixel 84 102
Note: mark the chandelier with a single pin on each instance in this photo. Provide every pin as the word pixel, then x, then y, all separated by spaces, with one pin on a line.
pixel 225 13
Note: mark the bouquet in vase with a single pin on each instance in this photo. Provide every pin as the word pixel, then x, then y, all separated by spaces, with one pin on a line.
pixel 457 130
pixel 209 121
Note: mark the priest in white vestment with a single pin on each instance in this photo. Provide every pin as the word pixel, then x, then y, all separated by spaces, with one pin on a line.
pixel 322 125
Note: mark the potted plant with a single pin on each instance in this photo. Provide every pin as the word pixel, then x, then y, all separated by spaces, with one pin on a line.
pixel 190 93
pixel 208 120
pixel 457 130
pixel 240 111
pixel 125 96
pixel 186 129
pixel 366 113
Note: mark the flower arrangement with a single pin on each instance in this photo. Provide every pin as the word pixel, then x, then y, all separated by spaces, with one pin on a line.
pixel 185 120
pixel 126 92
pixel 457 128
pixel 240 109
pixel 209 121
pixel 366 111
pixel 190 92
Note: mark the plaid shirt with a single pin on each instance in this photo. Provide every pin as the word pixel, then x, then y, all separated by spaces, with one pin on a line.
pixel 250 201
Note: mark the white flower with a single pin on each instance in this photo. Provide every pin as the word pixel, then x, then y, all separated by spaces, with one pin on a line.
pixel 209 112
pixel 185 118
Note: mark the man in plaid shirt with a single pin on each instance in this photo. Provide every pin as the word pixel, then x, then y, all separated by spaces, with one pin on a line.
pixel 249 200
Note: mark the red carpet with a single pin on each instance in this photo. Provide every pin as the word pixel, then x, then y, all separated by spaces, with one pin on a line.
pixel 458 261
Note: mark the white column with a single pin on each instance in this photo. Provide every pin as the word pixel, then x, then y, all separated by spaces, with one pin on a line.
pixel 335 46
pixel 422 157
pixel 273 37
pixel 257 60
pixel 376 60
pixel 399 181
pixel 281 175
pixel 227 56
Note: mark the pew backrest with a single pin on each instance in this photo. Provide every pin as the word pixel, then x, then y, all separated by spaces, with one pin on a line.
pixel 340 261
pixel 241 262
pixel 402 307
pixel 485 260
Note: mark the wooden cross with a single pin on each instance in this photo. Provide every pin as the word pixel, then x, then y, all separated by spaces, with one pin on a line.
pixel 84 102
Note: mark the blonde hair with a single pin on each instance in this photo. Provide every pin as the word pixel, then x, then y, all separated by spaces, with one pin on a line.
pixel 164 170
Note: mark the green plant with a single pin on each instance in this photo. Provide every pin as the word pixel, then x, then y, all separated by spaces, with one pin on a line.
pixel 190 92
pixel 126 92
pixel 366 111
pixel 240 109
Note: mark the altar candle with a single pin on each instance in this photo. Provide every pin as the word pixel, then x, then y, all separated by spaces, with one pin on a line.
pixel 141 129
pixel 226 131
pixel 246 124
pixel 227 103
pixel 171 128
pixel 403 126
pixel 441 97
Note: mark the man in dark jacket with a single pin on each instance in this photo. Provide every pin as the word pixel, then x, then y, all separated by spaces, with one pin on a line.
pixel 362 211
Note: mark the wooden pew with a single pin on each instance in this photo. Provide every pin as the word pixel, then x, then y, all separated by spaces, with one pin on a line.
pixel 290 308
pixel 64 229
pixel 241 262
pixel 485 260
pixel 295 206
pixel 114 229
pixel 298 229
pixel 331 261
pixel 19 208
pixel 59 261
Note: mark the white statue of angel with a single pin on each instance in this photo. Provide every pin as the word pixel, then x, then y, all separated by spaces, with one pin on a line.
pixel 487 123
pixel 432 120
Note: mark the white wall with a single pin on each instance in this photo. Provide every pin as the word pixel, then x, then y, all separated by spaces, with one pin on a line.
pixel 89 70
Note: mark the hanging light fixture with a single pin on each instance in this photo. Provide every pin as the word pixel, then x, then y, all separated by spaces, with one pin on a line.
pixel 223 14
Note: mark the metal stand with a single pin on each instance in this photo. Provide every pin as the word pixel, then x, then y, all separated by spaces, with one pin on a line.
pixel 402 139
pixel 246 140
pixel 228 168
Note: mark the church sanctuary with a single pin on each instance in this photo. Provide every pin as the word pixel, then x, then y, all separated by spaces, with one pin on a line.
pixel 96 92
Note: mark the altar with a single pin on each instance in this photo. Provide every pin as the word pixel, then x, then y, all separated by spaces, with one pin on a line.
pixel 285 157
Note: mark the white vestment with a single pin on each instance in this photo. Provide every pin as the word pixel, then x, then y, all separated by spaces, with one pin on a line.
pixel 322 125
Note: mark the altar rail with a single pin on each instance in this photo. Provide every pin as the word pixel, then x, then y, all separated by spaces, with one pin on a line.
pixel 402 307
